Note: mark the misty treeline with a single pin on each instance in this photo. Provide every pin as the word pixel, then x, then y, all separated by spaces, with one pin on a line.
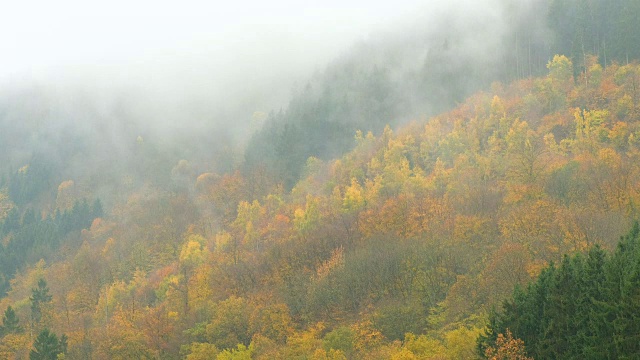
pixel 29 238
pixel 105 143
pixel 449 60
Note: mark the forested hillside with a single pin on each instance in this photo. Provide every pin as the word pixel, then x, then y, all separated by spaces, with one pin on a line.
pixel 388 212
pixel 432 67
pixel 398 249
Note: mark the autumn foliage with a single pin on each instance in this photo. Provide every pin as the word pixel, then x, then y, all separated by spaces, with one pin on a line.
pixel 398 249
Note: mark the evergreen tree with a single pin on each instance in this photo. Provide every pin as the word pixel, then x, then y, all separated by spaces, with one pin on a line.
pixel 588 307
pixel 47 346
pixel 39 296
pixel 11 222
pixel 10 322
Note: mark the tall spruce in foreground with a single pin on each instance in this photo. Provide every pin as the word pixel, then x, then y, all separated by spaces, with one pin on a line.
pixel 587 307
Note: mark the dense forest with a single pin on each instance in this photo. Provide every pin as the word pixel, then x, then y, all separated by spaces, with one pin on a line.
pixel 388 212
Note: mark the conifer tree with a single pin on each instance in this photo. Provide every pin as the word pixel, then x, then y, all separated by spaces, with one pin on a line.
pixel 39 296
pixel 10 322
pixel 47 346
pixel 586 308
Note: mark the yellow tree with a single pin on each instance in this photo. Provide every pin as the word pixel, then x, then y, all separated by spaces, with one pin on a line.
pixel 354 199
pixel 460 343
pixel 396 166
pixel 15 346
pixel 561 72
pixel 201 292
pixel 120 339
pixel 192 255
pixel 524 151
pixel 272 321
pixel 591 129
pixel 246 226
pixel 305 220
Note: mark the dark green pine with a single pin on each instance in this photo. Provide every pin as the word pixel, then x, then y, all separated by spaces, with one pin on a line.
pixel 45 347
pixel 10 322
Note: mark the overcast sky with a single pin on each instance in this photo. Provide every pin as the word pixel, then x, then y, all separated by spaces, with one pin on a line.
pixel 54 38
pixel 181 63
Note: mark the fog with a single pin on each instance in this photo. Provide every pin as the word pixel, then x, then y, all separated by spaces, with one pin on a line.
pixel 201 62
pixel 191 51
pixel 189 78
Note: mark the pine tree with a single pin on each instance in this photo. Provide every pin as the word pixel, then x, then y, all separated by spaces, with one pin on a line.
pixel 588 307
pixel 11 222
pixel 10 322
pixel 595 316
pixel 47 346
pixel 39 297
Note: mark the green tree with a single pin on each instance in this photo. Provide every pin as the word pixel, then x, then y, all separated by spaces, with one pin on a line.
pixel 47 346
pixel 11 222
pixel 240 353
pixel 339 339
pixel 10 323
pixel 586 308
pixel 39 297
pixel 230 324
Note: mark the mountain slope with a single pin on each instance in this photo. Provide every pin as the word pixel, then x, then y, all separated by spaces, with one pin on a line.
pixel 431 66
pixel 411 236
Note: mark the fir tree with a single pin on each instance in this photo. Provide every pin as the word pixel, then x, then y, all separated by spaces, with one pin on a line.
pixel 10 322
pixel 47 346
pixel 39 296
